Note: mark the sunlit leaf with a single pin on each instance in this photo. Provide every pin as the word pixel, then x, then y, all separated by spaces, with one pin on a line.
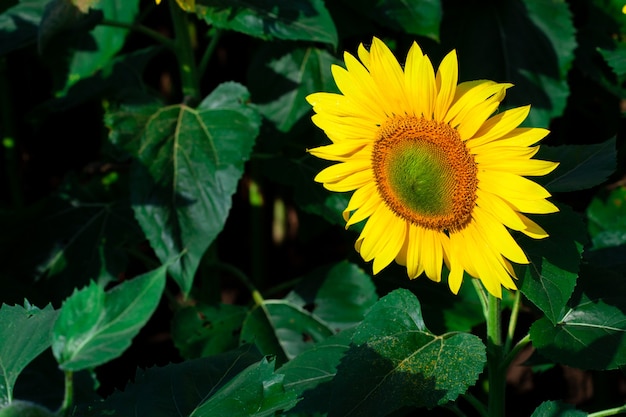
pixel 580 166
pixel 399 363
pixel 306 20
pixel 108 40
pixel 95 326
pixel 24 334
pixel 255 392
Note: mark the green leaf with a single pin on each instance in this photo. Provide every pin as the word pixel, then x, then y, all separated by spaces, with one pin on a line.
pixel 176 389
pixel 24 334
pixel 204 330
pixel 607 223
pixel 399 363
pixel 616 59
pixel 95 327
pixel 590 333
pixel 527 42
pixel 557 409
pixel 280 78
pixel 550 278
pixel 580 166
pixel 310 374
pixel 186 172
pixel 416 18
pixel 338 295
pixel 108 40
pixel 255 392
pixel 303 20
pixel 284 329
pixel 19 24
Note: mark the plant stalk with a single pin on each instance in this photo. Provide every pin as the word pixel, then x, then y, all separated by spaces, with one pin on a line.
pixel 68 398
pixel 497 373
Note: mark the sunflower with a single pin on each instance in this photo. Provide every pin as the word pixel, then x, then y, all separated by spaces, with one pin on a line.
pixel 438 177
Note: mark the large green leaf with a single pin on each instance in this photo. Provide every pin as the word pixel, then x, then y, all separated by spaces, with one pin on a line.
pixel 19 24
pixel 399 363
pixel 176 389
pixel 24 334
pixel 281 77
pixel 255 392
pixel 187 168
pixel 607 222
pixel 590 333
pixel 339 295
pixel 580 166
pixel 550 278
pixel 95 327
pixel 527 42
pixel 414 17
pixel 108 40
pixel 303 20
pixel 557 409
pixel 284 329
pixel 204 330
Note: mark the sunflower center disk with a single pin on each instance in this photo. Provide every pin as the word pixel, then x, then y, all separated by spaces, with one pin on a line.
pixel 425 173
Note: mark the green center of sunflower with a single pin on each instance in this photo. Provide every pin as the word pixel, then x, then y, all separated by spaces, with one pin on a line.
pixel 425 173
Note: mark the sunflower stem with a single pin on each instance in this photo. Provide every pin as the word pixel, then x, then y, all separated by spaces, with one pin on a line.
pixel 496 372
pixel 512 322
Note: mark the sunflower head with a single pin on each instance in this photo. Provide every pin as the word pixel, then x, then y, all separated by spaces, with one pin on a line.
pixel 436 173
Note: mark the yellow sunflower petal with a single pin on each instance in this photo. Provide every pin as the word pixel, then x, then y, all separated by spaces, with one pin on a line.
pixel 413 259
pixel 387 73
pixel 499 125
pixel 395 239
pixel 508 185
pixel 351 182
pixel 533 229
pixel 431 253
pixel 337 151
pixel 364 56
pixel 446 79
pixel 419 79
pixel 494 232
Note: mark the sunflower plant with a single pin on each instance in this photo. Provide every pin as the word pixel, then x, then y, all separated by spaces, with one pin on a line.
pixel 312 208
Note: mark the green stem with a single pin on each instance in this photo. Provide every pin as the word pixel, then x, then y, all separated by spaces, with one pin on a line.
pixel 481 296
pixel 184 54
pixel 165 41
pixel 68 398
pixel 208 52
pixel 477 404
pixel 496 373
pixel 609 412
pixel 510 356
pixel 512 321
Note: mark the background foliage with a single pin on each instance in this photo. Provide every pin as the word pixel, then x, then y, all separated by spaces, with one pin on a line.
pixel 165 248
